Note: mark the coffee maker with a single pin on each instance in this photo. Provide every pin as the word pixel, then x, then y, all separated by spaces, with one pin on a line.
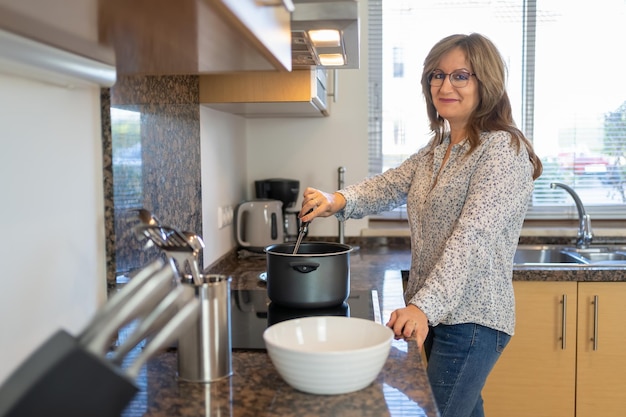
pixel 284 190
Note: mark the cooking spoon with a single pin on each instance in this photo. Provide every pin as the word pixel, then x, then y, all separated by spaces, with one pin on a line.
pixel 176 245
pixel 304 228
pixel 147 218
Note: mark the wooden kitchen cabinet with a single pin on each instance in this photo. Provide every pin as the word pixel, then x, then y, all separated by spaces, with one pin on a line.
pixel 601 362
pixel 539 376
pixel 300 93
pixel 536 374
pixel 265 26
pixel 164 37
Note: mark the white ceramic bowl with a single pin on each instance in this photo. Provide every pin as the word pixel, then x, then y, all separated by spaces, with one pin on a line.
pixel 328 354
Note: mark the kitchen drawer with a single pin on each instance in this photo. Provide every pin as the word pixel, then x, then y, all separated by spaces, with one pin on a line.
pixel 300 93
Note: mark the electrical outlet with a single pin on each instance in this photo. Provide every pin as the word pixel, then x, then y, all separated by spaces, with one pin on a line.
pixel 224 216
pixel 229 215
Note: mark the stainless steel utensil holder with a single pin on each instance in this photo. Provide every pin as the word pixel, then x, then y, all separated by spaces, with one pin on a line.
pixel 205 351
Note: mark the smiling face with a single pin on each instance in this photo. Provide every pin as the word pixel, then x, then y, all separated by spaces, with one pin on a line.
pixel 455 104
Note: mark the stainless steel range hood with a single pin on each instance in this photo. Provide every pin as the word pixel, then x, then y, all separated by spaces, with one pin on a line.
pixel 309 16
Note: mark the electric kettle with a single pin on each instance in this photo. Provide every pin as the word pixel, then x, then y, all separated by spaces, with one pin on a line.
pixel 259 223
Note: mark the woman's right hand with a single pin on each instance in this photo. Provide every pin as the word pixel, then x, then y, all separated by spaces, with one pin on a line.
pixel 317 203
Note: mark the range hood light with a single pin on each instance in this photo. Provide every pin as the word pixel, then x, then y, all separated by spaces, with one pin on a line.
pixel 310 19
pixel 332 59
pixel 325 38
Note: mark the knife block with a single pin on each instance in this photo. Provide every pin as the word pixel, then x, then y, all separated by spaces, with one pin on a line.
pixel 62 378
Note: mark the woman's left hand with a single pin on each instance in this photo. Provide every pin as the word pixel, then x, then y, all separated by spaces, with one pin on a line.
pixel 409 323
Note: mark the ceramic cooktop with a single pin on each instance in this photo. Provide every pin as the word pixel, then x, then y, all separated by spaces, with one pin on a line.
pixel 252 313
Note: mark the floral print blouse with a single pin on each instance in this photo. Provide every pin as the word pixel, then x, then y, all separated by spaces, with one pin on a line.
pixel 465 223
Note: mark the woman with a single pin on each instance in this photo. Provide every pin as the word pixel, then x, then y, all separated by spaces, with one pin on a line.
pixel 466 193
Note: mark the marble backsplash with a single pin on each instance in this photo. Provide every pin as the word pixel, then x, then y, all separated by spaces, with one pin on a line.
pixel 166 167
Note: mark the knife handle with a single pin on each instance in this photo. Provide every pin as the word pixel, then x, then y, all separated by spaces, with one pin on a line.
pixel 180 323
pixel 153 321
pixel 113 304
pixel 143 300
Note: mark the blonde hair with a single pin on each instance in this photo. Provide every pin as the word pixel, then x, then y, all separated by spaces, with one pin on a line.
pixel 494 108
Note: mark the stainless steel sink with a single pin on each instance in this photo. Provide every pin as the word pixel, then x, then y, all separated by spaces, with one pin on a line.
pixel 551 255
pixel 541 255
pixel 595 255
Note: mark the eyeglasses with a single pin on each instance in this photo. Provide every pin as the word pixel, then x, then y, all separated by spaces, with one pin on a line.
pixel 458 78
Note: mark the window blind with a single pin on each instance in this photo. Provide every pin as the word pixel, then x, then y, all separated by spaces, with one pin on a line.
pixel 563 62
pixel 375 81
pixel 127 169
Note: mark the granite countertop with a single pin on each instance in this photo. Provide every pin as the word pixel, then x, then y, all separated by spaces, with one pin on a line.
pixel 256 389
pixel 577 273
pixel 392 254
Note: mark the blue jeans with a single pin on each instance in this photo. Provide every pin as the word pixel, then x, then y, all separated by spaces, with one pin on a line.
pixel 460 358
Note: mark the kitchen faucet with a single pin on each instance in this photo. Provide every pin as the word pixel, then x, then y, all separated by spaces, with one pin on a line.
pixel 585 235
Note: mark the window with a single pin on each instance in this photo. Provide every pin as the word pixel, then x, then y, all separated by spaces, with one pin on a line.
pixel 128 193
pixel 398 62
pixel 399 137
pixel 126 148
pixel 564 60
pixel 127 184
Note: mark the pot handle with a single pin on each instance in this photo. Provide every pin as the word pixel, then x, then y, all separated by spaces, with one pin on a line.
pixel 304 267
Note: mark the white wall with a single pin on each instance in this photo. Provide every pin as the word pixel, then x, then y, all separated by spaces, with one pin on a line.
pixel 311 150
pixel 224 171
pixel 237 151
pixel 52 217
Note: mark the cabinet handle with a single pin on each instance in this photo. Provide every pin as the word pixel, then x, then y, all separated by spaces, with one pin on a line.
pixel 564 321
pixel 595 322
pixel 287 4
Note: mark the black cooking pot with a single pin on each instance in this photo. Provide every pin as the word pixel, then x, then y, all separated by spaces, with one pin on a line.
pixel 317 276
pixel 277 313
